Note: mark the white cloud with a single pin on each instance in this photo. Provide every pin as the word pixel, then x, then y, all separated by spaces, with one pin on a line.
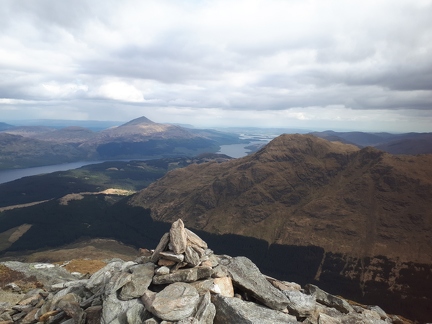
pixel 256 56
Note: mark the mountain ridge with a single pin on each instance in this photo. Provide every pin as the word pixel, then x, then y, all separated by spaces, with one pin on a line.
pixel 293 175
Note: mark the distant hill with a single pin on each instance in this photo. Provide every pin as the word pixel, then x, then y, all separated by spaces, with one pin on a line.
pixel 412 143
pixel 19 152
pixel 368 210
pixel 4 126
pixel 407 143
pixel 137 139
pixel 71 134
pixel 29 131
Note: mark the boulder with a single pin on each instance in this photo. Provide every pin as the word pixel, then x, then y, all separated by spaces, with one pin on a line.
pixel 328 299
pixel 175 302
pixel 206 311
pixel 46 273
pixel 113 308
pixel 178 237
pixel 246 275
pixel 140 280
pixel 163 243
pixel 224 286
pixel 172 256
pixel 183 275
pixel 96 283
pixel 192 257
pixel 193 239
pixel 234 310
pixel 300 304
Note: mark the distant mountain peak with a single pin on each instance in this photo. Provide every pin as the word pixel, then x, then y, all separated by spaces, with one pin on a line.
pixel 139 121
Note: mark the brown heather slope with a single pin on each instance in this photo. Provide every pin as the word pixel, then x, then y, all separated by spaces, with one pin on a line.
pixel 305 191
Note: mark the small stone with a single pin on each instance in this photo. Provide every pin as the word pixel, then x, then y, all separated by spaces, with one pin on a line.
pixel 13 286
pixel 329 300
pixel 383 315
pixel 206 263
pixel 325 319
pixel 168 255
pixel 70 305
pixel 162 271
pixel 178 237
pixel 166 263
pixel 93 315
pixel 44 317
pixel 194 239
pixel 163 243
pixel 30 318
pixel 145 252
pixel 192 257
pixel 179 266
pixel 203 286
pixel 300 304
pixel 151 321
pixel 225 286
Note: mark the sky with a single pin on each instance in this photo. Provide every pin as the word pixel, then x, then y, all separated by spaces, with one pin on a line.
pixel 325 64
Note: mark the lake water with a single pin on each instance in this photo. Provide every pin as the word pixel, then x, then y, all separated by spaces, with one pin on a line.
pixel 239 150
pixel 233 150
pixel 10 175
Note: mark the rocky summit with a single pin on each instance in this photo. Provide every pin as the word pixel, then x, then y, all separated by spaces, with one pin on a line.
pixel 180 281
pixel 364 215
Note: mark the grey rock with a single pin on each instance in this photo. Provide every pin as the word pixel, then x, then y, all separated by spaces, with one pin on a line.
pixel 93 315
pixel 172 256
pixel 69 303
pixel 223 286
pixel 141 279
pixel 183 275
pixel 163 243
pixel 194 239
pixel 206 311
pixel 151 321
pixel 192 258
pixel 383 315
pixel 162 271
pixel 98 280
pixel 175 302
pixel 178 237
pixel 137 314
pixel 325 319
pixel 328 299
pixel 189 320
pixel 234 310
pixel 115 309
pixel 203 286
pixel 126 266
pixel 300 304
pixel 247 276
pixel 30 317
pixel 200 251
pixel 74 283
pixel 45 273
pixel 219 271
pixel 117 281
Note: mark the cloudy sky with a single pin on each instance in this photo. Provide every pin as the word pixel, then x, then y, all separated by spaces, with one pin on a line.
pixel 357 65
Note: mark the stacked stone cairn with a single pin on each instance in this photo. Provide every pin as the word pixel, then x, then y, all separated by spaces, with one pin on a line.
pixel 182 281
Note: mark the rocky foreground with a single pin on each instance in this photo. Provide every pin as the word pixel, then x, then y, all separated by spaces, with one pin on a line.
pixel 181 281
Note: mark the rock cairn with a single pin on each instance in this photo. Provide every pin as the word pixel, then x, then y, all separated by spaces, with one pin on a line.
pixel 183 281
